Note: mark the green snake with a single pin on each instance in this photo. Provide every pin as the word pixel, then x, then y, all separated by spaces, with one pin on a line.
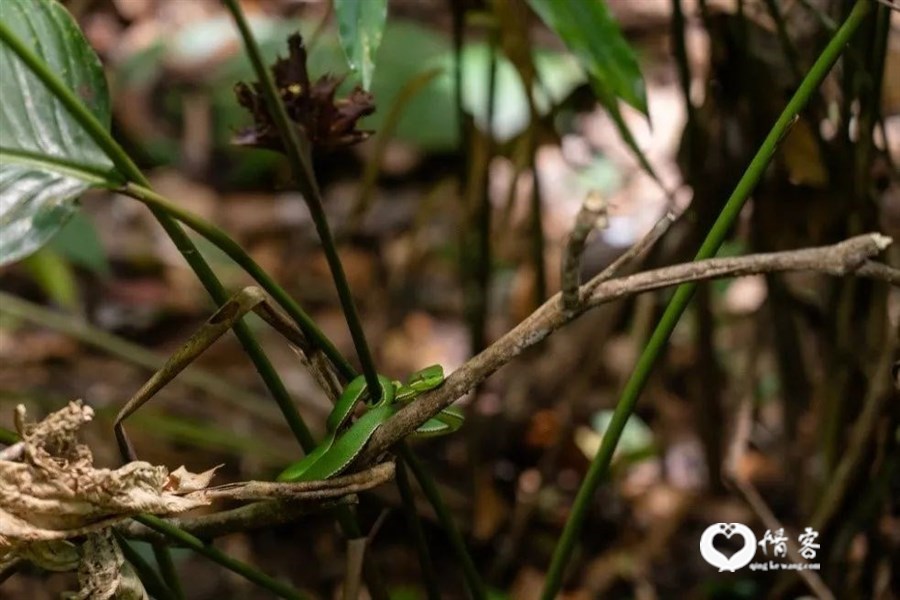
pixel 344 442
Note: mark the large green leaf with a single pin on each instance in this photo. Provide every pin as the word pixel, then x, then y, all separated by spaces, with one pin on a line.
pixel 46 158
pixel 589 30
pixel 361 25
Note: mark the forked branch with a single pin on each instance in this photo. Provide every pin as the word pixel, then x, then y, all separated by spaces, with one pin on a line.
pixel 850 257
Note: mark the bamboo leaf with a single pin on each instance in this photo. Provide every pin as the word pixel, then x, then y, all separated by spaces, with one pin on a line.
pixel 590 32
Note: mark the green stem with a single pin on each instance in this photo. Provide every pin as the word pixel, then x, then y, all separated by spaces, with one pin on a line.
pixel 167 569
pixel 183 243
pixel 223 242
pixel 280 589
pixel 299 158
pixel 152 581
pixel 415 528
pixel 457 544
pixel 298 153
pixel 600 465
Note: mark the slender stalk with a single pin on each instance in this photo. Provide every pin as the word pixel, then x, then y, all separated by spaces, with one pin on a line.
pixel 476 587
pixel 280 589
pixel 298 154
pixel 167 569
pixel 152 581
pixel 600 464
pixel 222 241
pixel 432 590
pixel 126 167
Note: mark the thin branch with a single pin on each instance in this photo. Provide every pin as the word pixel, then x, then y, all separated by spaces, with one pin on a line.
pixel 300 491
pixel 845 258
pixel 591 215
pixel 258 515
pixel 648 241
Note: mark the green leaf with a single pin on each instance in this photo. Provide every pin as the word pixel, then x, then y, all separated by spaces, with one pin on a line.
pixel 79 242
pixel 361 25
pixel 46 158
pixel 55 276
pixel 591 33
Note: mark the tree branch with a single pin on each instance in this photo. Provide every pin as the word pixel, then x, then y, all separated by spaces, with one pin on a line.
pixel 281 503
pixel 845 258
pixel 591 216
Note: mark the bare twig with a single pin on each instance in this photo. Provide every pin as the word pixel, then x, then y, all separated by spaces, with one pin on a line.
pixel 647 242
pixel 252 516
pixel 227 317
pixel 592 214
pixel 300 491
pixel 844 258
pixel 281 503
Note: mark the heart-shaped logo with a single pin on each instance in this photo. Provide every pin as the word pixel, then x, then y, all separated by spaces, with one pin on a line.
pixel 739 559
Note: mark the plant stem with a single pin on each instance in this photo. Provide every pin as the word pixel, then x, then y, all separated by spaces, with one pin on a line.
pixel 298 154
pixel 280 589
pixel 600 464
pixel 222 241
pixel 415 528
pixel 152 581
pixel 473 579
pixel 167 569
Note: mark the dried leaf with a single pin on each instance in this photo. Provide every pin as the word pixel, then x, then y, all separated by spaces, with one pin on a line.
pixel 182 481
pixel 326 122
pixel 55 492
